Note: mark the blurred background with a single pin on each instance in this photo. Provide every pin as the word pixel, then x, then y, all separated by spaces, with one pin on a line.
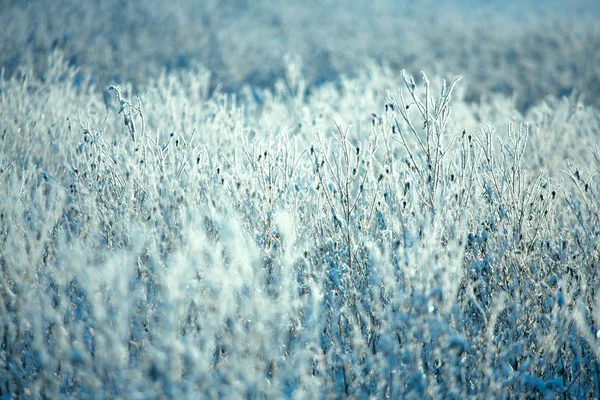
pixel 529 48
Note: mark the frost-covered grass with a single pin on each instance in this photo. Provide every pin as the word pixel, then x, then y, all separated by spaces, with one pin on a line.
pixel 381 234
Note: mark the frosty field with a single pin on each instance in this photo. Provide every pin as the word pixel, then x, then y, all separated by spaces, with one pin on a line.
pixel 260 199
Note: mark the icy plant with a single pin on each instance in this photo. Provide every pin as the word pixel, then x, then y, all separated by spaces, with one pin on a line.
pixel 299 242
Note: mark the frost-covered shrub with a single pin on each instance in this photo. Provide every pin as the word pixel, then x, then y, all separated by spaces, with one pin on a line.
pixel 380 236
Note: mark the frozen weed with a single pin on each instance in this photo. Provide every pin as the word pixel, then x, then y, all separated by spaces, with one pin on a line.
pixel 304 241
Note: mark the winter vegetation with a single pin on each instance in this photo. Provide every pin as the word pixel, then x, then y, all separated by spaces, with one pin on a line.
pixel 257 200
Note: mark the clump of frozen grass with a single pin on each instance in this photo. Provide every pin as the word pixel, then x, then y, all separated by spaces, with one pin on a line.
pixel 191 246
